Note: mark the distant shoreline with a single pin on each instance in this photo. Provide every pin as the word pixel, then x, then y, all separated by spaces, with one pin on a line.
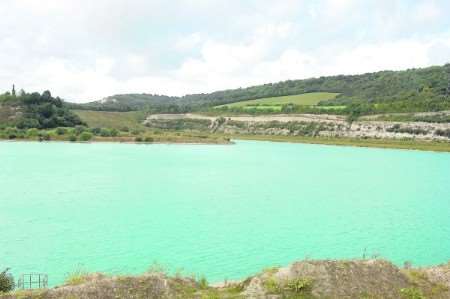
pixel 433 146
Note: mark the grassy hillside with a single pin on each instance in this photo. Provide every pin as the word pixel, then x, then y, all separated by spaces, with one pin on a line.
pixel 128 102
pixel 413 90
pixel 106 119
pixel 312 98
pixel 6 113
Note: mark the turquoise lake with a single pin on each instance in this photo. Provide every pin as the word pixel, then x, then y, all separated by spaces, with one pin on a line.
pixel 223 211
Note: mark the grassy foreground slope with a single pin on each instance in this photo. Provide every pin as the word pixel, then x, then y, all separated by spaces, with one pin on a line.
pixel 312 98
pixel 367 278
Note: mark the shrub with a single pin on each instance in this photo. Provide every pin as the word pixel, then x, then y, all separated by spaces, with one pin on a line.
pixel 149 139
pixel 11 133
pixel 114 132
pixel 299 285
pixel 79 129
pixel 85 136
pixel 32 132
pixel 105 132
pixel 72 138
pixel 77 277
pixel 61 131
pixel 203 283
pixel 272 286
pixel 44 136
pixel 95 131
pixel 138 139
pixel 6 281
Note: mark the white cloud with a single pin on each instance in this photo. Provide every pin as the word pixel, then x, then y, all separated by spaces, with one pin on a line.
pixel 85 50
pixel 188 42
pixel 383 56
pixel 427 11
pixel 337 8
pixel 224 66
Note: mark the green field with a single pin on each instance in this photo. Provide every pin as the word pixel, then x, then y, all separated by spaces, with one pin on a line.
pixel 117 120
pixel 305 99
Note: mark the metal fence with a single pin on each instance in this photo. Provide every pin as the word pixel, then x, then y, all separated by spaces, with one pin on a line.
pixel 33 281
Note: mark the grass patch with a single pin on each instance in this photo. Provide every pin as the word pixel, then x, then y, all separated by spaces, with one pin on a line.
pixel 106 119
pixel 79 276
pixel 412 293
pixel 295 288
pixel 330 107
pixel 307 99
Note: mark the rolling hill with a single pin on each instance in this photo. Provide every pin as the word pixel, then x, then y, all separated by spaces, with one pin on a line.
pixel 413 90
pixel 306 99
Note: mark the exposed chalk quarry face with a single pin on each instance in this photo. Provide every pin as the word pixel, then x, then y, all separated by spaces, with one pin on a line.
pixel 305 125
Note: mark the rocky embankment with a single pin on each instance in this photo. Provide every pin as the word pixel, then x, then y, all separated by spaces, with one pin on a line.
pixel 303 125
pixel 305 279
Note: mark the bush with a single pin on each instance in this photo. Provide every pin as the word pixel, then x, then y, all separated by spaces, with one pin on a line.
pixel 32 132
pixel 95 131
pixel 85 136
pixel 148 139
pixel 44 136
pixel 79 129
pixel 61 131
pixel 79 276
pixel 105 132
pixel 114 132
pixel 203 283
pixel 138 139
pixel 6 282
pixel 11 133
pixel 72 138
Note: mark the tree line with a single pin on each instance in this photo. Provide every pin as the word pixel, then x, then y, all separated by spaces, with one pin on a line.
pixel 391 91
pixel 35 110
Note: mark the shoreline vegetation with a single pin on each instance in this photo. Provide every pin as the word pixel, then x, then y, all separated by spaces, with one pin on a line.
pixel 84 134
pixel 355 278
pixel 143 136
pixel 408 144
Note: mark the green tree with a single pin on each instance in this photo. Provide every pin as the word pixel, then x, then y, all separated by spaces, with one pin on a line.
pixel 6 281
pixel 86 136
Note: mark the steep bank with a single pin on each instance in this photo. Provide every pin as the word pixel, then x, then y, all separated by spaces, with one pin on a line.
pixel 305 279
pixel 307 125
pixel 311 128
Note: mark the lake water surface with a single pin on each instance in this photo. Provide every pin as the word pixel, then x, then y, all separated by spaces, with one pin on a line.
pixel 225 211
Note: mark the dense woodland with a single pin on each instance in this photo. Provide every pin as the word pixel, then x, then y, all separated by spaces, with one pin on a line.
pixel 35 110
pixel 412 90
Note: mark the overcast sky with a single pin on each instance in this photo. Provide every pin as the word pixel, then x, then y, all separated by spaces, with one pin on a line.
pixel 85 50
